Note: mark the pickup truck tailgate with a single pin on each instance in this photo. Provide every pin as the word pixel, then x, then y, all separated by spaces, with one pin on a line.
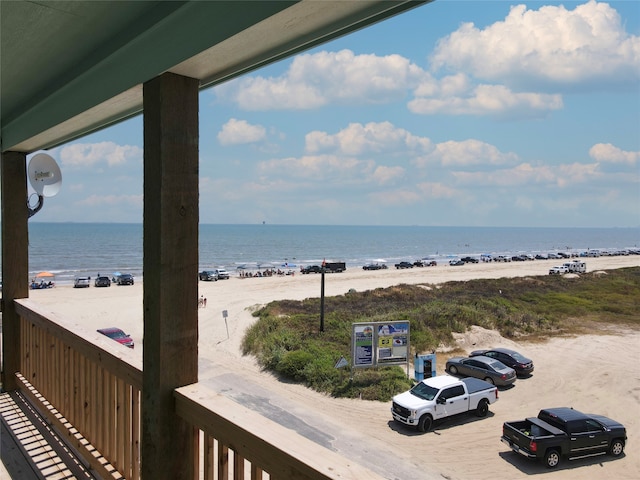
pixel 521 436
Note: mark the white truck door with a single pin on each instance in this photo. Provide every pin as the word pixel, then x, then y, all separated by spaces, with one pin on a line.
pixel 451 401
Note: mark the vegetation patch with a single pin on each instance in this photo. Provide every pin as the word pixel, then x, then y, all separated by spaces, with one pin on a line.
pixel 287 340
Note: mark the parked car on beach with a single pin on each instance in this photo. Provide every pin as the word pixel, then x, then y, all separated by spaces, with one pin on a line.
pixel 117 335
pixel 485 368
pixel 102 281
pixel 425 263
pixel 82 282
pixel 558 270
pixel 124 279
pixel 208 276
pixel 222 274
pixel 521 364
pixel 402 265
pixel 374 266
pixel 311 269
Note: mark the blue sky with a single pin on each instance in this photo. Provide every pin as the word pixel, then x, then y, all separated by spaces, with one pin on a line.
pixel 457 113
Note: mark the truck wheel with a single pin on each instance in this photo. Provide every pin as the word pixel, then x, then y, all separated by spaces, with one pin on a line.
pixel 551 458
pixel 617 447
pixel 424 425
pixel 483 408
pixel 453 370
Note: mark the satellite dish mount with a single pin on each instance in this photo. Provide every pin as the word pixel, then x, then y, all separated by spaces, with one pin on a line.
pixel 45 178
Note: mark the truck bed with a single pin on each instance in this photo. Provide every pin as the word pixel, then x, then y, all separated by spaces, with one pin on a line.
pixel 533 427
pixel 521 435
pixel 476 385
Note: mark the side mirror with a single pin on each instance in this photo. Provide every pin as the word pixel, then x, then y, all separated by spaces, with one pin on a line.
pixel 441 400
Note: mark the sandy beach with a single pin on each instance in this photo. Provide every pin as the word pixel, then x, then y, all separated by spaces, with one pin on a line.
pixel 594 373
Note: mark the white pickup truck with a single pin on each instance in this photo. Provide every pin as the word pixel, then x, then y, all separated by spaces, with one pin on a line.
pixel 559 269
pixel 442 396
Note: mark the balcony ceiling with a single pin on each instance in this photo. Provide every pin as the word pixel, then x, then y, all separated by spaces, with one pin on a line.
pixel 72 67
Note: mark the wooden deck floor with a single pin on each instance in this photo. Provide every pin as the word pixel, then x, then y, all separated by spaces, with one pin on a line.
pixel 30 448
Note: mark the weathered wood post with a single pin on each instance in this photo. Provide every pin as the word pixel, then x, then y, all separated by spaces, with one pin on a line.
pixel 15 259
pixel 170 357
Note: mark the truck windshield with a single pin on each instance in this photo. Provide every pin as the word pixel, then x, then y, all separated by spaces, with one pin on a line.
pixel 424 391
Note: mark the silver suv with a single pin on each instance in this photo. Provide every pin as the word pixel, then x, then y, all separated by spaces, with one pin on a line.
pixel 222 274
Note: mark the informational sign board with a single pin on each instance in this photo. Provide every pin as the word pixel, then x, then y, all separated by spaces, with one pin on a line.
pixel 380 343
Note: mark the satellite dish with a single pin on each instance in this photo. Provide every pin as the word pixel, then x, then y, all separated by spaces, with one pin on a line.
pixel 44 175
pixel 45 178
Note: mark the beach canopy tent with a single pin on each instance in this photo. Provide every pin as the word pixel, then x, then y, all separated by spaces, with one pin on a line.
pixel 69 68
pixel 45 275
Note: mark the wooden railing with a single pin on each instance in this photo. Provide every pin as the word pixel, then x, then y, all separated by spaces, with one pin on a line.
pixel 91 391
pixel 240 443
pixel 88 389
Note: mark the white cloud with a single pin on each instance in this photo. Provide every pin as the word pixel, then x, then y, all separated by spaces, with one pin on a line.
pixel 314 80
pixel 318 167
pixel 90 154
pixel 236 132
pixel 551 45
pixel 358 139
pixel 417 194
pixel 384 175
pixel 466 153
pixel 459 97
pixel 607 153
pixel 526 174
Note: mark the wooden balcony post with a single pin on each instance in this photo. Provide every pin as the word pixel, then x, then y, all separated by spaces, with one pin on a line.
pixel 15 260
pixel 171 216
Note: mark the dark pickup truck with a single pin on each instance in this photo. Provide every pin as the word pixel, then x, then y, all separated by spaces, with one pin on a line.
pixel 328 267
pixel 564 432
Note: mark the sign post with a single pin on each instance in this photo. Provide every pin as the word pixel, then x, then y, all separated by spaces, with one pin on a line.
pixel 324 265
pixel 225 315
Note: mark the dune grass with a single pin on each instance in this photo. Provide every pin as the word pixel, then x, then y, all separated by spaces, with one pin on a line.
pixel 287 340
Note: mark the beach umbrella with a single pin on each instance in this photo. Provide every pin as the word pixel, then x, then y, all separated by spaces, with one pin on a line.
pixel 45 275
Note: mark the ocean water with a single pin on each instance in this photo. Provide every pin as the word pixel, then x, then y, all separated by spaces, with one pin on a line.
pixel 70 249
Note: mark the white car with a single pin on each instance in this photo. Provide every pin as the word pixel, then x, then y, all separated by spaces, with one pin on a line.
pixel 82 282
pixel 222 274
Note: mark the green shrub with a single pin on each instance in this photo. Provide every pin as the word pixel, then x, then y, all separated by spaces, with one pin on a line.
pixel 292 364
pixel 286 337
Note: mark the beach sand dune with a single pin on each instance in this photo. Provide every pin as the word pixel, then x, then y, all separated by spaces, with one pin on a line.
pixel 593 373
